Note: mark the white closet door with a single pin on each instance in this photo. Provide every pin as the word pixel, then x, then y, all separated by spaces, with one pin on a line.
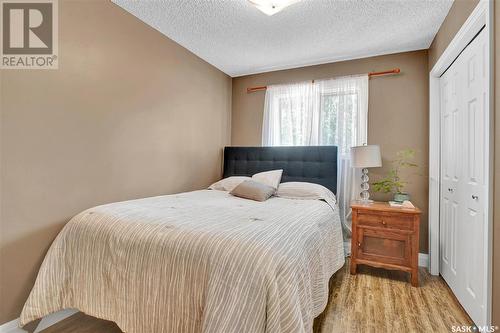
pixel 451 118
pixel 474 187
pixel 463 178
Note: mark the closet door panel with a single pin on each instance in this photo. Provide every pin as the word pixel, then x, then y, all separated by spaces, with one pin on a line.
pixel 474 184
pixel 450 174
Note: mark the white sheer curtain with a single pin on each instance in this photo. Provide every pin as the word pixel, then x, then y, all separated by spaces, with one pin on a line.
pixel 288 116
pixel 326 112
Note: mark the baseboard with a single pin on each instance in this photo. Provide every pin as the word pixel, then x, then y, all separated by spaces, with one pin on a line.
pixel 423 260
pixel 47 321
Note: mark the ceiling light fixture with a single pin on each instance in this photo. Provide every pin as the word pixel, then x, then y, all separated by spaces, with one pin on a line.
pixel 271 7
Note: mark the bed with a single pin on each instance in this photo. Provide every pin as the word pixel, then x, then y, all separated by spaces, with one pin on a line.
pixel 202 261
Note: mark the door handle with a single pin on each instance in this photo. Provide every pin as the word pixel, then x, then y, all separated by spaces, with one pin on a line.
pixel 475 197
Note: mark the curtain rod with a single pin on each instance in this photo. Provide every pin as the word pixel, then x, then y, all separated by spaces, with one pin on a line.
pixel 391 71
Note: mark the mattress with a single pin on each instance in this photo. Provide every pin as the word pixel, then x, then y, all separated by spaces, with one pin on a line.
pixel 201 261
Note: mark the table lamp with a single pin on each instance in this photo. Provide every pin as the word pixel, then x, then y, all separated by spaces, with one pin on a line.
pixel 365 157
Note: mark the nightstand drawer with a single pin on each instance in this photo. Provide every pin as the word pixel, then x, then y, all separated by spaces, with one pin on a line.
pixel 393 221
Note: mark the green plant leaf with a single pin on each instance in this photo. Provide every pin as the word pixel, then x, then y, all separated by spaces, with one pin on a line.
pixel 393 182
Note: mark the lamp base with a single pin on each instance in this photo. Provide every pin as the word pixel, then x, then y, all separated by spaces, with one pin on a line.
pixel 365 195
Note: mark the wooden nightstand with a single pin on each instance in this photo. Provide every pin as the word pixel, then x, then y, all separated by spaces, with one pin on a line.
pixel 386 237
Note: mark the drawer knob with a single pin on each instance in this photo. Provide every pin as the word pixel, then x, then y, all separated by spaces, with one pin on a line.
pixel 383 222
pixel 359 244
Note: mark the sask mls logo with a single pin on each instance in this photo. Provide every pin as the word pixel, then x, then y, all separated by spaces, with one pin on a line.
pixel 29 34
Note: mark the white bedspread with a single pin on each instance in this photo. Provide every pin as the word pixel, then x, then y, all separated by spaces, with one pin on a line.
pixel 201 261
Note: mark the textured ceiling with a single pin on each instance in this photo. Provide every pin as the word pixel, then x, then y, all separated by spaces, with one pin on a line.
pixel 237 38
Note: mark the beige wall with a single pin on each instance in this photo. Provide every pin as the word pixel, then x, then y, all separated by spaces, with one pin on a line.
pixel 397 116
pixel 459 12
pixel 128 114
pixel 133 114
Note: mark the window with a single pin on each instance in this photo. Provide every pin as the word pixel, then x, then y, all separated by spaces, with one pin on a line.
pixel 338 113
pixel 329 112
pixel 293 121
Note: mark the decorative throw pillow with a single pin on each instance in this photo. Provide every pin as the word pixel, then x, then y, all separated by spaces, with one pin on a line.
pixel 271 178
pixel 253 190
pixel 229 183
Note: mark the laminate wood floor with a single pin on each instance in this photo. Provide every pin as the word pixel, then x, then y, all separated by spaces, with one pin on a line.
pixel 374 300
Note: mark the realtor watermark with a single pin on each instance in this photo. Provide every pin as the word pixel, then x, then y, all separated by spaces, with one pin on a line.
pixel 29 34
pixel 474 329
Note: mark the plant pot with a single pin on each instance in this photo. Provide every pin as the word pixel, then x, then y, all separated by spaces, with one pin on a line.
pixel 400 197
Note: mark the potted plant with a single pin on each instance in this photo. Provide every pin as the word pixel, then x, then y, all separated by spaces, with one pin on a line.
pixel 393 182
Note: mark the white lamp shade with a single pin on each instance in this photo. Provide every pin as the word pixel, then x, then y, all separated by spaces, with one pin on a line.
pixel 366 156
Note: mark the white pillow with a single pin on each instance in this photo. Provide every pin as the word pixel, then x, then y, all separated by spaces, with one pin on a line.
pixel 270 178
pixel 303 190
pixel 229 183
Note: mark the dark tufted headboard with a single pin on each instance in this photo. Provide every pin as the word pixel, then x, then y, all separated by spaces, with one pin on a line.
pixel 313 164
